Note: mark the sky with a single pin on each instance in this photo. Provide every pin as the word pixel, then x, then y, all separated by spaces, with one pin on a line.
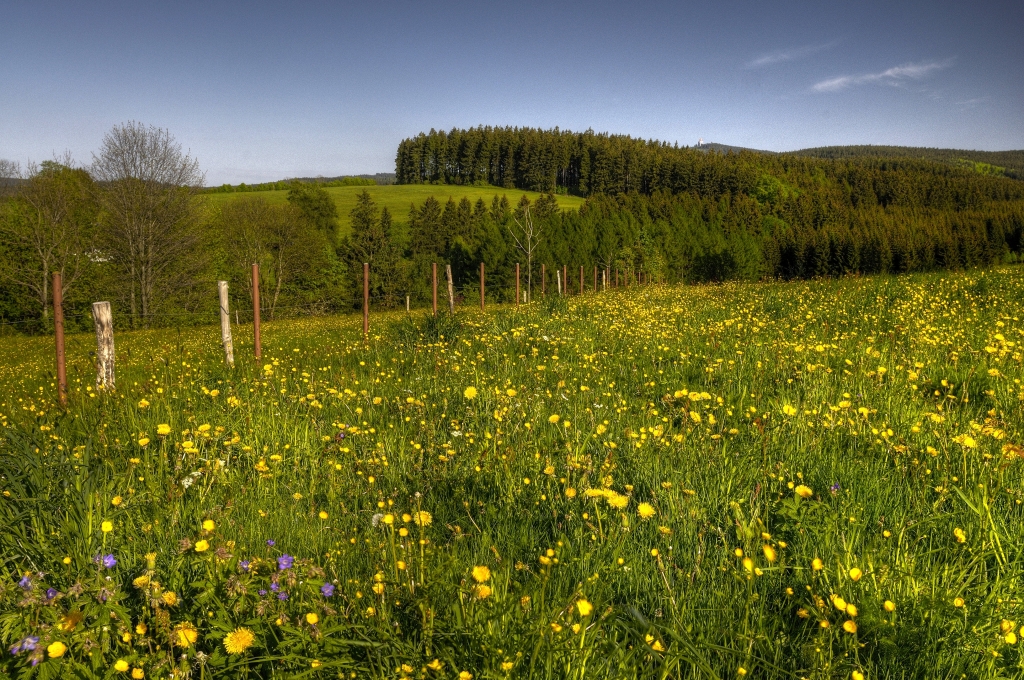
pixel 264 91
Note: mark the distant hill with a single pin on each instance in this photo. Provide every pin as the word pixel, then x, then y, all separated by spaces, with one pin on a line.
pixel 1005 163
pixel 381 178
pixel 1002 163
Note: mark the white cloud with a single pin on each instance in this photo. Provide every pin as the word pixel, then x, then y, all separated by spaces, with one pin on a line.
pixel 792 54
pixel 892 76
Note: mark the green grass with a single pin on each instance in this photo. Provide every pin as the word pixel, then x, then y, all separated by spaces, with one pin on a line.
pixel 662 482
pixel 398 197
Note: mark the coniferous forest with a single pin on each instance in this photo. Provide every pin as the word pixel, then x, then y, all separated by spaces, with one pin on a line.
pixel 692 215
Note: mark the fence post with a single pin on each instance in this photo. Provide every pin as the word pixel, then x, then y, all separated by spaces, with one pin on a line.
pixel 517 284
pixel 581 279
pixel 565 279
pixel 433 286
pixel 595 278
pixel 104 322
pixel 604 280
pixel 558 278
pixel 58 336
pixel 258 346
pixel 366 300
pixel 225 323
pixel 543 280
pixel 451 289
pixel 406 304
pixel 481 286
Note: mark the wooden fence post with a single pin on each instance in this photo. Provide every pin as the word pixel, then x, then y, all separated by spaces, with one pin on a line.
pixel 595 278
pixel 558 278
pixel 451 288
pixel 433 286
pixel 258 346
pixel 604 280
pixel 565 279
pixel 225 323
pixel 517 284
pixel 581 279
pixel 58 336
pixel 481 286
pixel 543 280
pixel 104 322
pixel 366 300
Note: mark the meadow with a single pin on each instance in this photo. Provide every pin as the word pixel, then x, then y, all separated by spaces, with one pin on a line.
pixel 817 479
pixel 398 198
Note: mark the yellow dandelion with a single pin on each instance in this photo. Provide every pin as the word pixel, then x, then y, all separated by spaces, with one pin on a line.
pixel 422 518
pixel 584 607
pixel 208 525
pixel 312 619
pixel 645 510
pixel 185 634
pixel 803 491
pixel 470 392
pixel 238 640
pixel 481 574
pixel 121 666
pixel 202 545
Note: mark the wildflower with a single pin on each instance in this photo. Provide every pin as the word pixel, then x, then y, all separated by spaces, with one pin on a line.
pixel 1010 638
pixel 271 542
pixel 25 583
pixel 553 418
pixel 285 562
pixel 741 671
pixel 163 429
pixel 654 643
pixel 481 574
pixel 959 534
pixel 106 526
pixel 238 640
pixel 839 602
pixel 789 410
pixel 143 441
pixel 422 518
pixel 482 591
pixel 465 675
pixel 855 574
pixel 470 392
pixel 143 403
pixel 617 501
pixel 769 553
pixel 327 590
pixel 141 628
pixel 138 673
pixel 116 501
pixel 856 675
pixel 958 602
pixel 645 510
pixel 850 627
pixel 748 564
pixel 322 515
pixel 56 649
pixel 312 619
pixel 817 564
pixel 208 525
pixel 185 634
pixel 804 491
pixel 570 493
pixel 121 666
pixel 889 606
pixel 170 598
pixel 435 665
pixel 108 561
pixel 584 607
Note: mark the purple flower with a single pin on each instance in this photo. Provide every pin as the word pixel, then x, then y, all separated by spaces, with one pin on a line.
pixel 327 589
pixel 262 592
pixel 282 596
pixel 244 565
pixel 285 562
pixel 25 583
pixel 51 593
pixel 834 488
pixel 275 587
pixel 339 436
pixel 108 561
pixel 26 645
pixel 271 542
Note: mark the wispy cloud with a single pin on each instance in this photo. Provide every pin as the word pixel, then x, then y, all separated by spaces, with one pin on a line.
pixel 792 54
pixel 896 75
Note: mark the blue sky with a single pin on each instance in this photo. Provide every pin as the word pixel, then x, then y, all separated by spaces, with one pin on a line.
pixel 263 91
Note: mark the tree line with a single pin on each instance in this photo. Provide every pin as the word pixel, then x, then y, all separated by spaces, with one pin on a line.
pixel 133 226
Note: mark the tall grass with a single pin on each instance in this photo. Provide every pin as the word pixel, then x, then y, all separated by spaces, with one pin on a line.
pixel 817 479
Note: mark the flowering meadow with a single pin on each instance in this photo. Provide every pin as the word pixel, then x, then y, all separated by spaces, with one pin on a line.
pixel 819 479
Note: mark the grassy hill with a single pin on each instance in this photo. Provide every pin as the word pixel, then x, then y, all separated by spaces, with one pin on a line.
pixel 1006 163
pixel 399 198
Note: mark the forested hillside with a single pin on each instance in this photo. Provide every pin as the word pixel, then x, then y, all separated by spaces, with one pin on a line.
pixel 1006 163
pixel 691 215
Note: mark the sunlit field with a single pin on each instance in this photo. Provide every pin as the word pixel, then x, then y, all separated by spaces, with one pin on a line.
pixel 803 480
